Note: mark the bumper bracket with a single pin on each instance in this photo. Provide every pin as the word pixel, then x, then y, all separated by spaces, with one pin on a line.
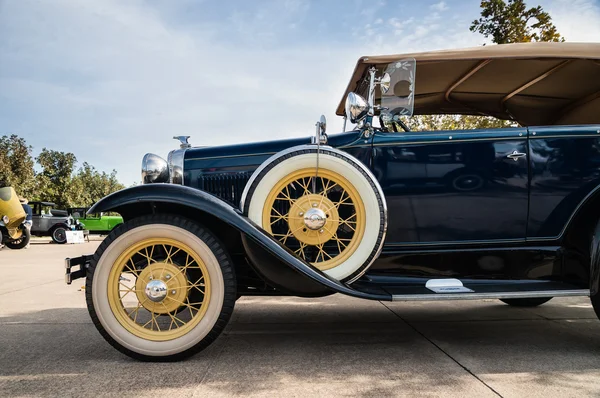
pixel 83 262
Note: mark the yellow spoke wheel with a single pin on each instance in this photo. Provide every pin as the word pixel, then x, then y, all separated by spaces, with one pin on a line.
pixel 321 217
pixel 159 289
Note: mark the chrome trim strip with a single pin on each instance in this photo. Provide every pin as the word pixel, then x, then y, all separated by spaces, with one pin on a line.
pixel 424 142
pixel 233 156
pixel 362 166
pixel 547 137
pixel 494 295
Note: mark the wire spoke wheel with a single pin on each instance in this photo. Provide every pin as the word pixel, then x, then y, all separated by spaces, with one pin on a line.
pixel 334 218
pixel 159 289
pixel 321 218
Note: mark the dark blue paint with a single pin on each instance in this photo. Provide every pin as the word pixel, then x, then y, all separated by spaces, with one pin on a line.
pixel 565 168
pixel 447 186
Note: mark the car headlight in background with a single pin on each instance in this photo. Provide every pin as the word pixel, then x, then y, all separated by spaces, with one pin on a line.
pixel 154 169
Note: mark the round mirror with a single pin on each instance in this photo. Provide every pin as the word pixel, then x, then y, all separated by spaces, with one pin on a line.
pixel 323 124
pixel 384 83
pixel 356 107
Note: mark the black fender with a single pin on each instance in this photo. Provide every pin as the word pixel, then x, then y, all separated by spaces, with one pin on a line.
pixel 288 272
pixel 59 224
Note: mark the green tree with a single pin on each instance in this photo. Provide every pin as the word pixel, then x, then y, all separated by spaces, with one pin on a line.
pixel 16 165
pixel 513 22
pixel 89 185
pixel 53 182
pixel 456 122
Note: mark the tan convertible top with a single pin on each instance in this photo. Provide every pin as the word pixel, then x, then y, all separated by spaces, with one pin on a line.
pixel 532 83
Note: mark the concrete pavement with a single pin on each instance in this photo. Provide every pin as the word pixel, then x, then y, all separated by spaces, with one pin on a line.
pixel 334 346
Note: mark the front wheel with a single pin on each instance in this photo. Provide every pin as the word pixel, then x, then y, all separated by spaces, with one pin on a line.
pixel 160 288
pixel 59 235
pixel 21 242
pixel 526 302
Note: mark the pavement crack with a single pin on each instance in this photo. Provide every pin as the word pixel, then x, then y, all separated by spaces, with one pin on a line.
pixel 30 287
pixel 442 350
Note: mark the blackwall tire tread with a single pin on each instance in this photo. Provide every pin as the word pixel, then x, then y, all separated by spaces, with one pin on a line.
pixel 218 250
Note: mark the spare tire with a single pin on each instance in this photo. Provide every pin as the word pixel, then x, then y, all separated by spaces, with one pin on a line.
pixel 334 218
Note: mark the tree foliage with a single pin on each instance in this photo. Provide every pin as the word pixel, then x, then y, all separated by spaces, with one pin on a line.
pixel 57 181
pixel 16 165
pixel 512 22
pixel 505 22
pixel 456 122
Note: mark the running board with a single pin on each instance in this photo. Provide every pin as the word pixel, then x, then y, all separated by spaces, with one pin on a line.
pixel 438 289
pixel 490 295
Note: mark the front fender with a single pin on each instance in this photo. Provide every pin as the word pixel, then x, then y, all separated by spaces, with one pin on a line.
pixel 297 276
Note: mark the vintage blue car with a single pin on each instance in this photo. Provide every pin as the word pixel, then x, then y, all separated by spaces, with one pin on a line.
pixel 377 212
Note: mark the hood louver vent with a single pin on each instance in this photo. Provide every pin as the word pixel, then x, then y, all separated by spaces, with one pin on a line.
pixel 226 186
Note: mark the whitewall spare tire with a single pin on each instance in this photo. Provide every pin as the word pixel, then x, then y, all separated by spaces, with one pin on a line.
pixel 333 217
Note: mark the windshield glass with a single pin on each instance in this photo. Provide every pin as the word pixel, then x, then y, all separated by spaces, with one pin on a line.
pixel 399 99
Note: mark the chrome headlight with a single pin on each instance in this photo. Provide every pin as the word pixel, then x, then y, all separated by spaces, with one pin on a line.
pixel 175 161
pixel 356 107
pixel 154 169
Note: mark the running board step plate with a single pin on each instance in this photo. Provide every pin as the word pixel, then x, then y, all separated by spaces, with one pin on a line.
pixel 489 295
pixel 450 285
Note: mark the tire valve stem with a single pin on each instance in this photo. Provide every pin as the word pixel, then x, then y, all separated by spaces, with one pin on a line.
pixel 321 231
pixel 173 292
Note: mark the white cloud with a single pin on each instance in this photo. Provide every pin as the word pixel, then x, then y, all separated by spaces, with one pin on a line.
pixel 112 80
pixel 441 6
pixel 132 82
pixel 576 20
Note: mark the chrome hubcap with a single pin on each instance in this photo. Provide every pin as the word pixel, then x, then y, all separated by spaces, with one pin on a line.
pixel 314 218
pixel 156 290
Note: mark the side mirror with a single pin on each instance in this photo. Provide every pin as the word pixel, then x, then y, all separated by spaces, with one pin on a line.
pixel 356 107
pixel 384 82
pixel 323 124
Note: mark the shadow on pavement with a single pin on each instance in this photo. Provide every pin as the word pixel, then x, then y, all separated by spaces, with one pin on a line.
pixel 272 349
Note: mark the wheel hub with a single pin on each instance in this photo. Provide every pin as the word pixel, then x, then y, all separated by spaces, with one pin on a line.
pixel 315 218
pixel 156 290
pixel 162 287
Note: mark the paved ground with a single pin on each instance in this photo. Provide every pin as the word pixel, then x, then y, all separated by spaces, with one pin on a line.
pixel 281 347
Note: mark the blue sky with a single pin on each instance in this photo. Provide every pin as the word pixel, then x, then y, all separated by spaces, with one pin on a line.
pixel 111 80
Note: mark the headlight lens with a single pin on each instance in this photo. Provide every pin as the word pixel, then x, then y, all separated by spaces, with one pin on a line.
pixel 5 220
pixel 154 169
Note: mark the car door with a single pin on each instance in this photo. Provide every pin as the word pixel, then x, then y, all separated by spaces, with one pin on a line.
pixel 455 186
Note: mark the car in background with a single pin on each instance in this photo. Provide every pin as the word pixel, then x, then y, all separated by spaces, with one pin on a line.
pixel 48 221
pixel 95 223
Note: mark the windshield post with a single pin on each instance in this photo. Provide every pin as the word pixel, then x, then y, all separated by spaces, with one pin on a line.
pixel 371 99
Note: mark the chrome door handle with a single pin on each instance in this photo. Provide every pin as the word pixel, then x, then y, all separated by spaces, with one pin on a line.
pixel 515 155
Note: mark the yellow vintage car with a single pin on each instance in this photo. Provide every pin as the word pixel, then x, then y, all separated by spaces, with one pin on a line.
pixel 13 232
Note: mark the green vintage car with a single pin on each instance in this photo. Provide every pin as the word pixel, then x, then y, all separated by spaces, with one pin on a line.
pixel 96 223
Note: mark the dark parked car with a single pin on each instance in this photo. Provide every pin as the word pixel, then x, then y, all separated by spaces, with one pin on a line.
pixel 378 212
pixel 48 221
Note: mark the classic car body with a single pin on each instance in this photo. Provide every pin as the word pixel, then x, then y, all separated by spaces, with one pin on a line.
pixel 96 223
pixel 13 232
pixel 509 213
pixel 48 221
